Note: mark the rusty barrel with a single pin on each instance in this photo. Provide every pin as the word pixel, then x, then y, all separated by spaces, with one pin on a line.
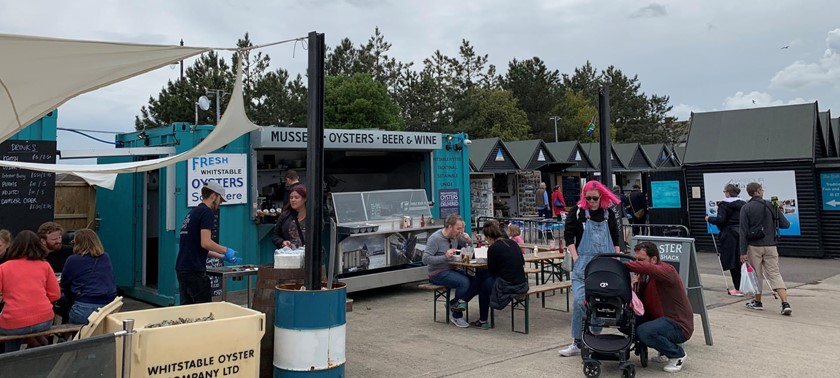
pixel 309 331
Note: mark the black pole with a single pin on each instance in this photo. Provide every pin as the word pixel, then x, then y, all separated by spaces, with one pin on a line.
pixel 604 129
pixel 182 61
pixel 314 163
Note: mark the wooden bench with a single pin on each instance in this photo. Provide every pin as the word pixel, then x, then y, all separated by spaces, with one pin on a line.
pixel 522 302
pixel 441 294
pixel 67 331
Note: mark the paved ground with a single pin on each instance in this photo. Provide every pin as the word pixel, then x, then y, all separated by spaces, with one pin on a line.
pixel 390 333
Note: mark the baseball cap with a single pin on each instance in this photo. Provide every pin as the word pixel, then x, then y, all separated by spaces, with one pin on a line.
pixel 216 187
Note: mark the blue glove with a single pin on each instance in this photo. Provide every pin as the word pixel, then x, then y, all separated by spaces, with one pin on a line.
pixel 230 257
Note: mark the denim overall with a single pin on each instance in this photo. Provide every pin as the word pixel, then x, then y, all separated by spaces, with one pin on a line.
pixel 596 240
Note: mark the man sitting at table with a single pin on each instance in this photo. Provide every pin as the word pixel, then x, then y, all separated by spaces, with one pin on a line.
pixel 676 324
pixel 441 248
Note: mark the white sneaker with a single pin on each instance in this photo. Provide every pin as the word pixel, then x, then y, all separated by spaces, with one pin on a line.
pixel 459 322
pixel 676 364
pixel 660 359
pixel 571 350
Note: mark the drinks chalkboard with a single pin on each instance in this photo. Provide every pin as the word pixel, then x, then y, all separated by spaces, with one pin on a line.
pixel 27 197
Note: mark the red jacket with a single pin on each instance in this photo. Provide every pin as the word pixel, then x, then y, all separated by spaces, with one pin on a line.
pixel 671 292
pixel 557 210
pixel 29 287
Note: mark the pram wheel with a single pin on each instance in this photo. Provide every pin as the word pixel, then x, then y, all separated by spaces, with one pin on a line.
pixel 628 372
pixel 592 369
pixel 643 355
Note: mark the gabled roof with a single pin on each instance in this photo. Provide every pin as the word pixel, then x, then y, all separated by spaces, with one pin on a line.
pixel 754 135
pixel 484 151
pixel 829 150
pixel 594 152
pixel 530 154
pixel 572 152
pixel 835 133
pixel 633 157
pixel 660 155
pixel 679 153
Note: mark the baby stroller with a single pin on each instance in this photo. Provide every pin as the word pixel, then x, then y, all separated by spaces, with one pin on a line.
pixel 607 303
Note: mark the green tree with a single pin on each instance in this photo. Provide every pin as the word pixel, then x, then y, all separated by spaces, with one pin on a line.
pixel 575 112
pixel 485 113
pixel 271 98
pixel 359 102
pixel 537 90
pixel 176 101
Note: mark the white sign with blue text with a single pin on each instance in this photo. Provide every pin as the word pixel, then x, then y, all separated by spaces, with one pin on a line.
pixel 778 184
pixel 230 170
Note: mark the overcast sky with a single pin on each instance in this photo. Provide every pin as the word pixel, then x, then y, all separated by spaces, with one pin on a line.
pixel 706 55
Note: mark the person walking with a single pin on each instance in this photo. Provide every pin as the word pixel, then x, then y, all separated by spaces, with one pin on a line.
pixel 759 224
pixel 196 244
pixel 558 203
pixel 591 229
pixel 541 200
pixel 728 222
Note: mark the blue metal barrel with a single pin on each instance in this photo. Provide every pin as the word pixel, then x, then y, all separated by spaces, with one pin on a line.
pixel 309 331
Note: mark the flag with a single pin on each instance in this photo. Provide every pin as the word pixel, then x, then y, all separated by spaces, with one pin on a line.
pixel 590 130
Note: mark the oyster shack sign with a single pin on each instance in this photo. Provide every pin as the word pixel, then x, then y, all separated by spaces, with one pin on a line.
pixel 289 137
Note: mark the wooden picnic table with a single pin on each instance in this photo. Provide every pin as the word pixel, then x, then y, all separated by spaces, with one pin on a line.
pixel 529 247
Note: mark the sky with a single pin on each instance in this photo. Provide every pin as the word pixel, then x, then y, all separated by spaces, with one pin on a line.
pixel 707 55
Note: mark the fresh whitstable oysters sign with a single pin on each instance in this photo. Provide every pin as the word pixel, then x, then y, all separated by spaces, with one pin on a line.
pixel 229 170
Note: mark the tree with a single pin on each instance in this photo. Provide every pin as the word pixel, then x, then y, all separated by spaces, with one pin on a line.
pixel 270 97
pixel 584 81
pixel 537 90
pixel 485 113
pixel 359 102
pixel 576 112
pixel 176 102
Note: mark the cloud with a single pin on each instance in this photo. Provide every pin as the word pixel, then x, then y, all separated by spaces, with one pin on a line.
pixel 683 111
pixel 754 99
pixel 801 75
pixel 651 11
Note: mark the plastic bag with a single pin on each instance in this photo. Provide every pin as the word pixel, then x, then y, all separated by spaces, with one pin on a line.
pixel 749 284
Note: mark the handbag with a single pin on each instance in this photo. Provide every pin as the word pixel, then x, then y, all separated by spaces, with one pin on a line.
pixel 636 304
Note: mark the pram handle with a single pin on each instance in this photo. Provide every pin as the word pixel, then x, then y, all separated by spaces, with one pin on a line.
pixel 616 255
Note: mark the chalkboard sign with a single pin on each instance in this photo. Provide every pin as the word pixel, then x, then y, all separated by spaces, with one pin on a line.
pixel 27 197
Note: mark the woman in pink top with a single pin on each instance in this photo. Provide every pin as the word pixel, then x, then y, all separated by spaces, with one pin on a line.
pixel 28 286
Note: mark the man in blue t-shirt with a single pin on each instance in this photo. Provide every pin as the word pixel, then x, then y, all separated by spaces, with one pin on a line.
pixel 196 244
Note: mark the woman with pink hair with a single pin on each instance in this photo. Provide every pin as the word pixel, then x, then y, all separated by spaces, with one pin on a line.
pixel 591 229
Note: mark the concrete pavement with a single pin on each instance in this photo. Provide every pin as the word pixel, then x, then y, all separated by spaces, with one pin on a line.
pixel 390 333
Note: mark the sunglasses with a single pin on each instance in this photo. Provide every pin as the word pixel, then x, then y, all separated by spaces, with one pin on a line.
pixel 588 198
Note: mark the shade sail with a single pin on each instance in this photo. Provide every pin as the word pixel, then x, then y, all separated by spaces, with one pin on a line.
pixel 234 122
pixel 38 74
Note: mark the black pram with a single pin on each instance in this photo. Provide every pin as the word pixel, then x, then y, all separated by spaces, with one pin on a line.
pixel 607 302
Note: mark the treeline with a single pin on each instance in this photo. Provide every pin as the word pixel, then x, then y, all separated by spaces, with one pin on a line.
pixel 365 87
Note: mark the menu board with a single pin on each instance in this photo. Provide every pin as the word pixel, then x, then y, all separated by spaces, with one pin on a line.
pixel 27 197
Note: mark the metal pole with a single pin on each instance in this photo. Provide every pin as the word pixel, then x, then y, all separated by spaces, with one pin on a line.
pixel 128 327
pixel 606 146
pixel 182 61
pixel 218 109
pixel 314 163
pixel 555 118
